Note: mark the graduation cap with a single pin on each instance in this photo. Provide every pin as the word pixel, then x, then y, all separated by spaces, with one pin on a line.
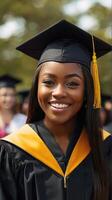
pixel 23 94
pixel 65 42
pixel 7 80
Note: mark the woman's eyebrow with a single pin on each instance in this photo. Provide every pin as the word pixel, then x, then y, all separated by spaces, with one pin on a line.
pixel 49 74
pixel 66 76
pixel 73 75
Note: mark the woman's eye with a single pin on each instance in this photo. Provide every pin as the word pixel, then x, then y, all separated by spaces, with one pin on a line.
pixel 48 82
pixel 72 84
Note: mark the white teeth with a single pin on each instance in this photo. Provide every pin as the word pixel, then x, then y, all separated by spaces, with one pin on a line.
pixel 57 105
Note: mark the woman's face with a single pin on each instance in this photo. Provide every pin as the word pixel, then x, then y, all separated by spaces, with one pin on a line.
pixel 7 98
pixel 60 91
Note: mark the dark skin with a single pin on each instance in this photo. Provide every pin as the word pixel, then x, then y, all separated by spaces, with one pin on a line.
pixel 60 95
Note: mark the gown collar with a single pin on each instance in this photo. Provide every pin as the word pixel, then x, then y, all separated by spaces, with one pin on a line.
pixel 51 143
pixel 28 140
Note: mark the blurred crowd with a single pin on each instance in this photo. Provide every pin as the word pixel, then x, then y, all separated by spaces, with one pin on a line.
pixel 106 113
pixel 14 107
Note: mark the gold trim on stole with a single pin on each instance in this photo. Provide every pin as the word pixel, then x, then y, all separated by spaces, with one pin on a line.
pixel 28 140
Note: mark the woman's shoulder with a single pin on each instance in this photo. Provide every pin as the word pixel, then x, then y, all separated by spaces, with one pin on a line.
pixel 10 153
pixel 7 148
pixel 5 142
pixel 9 142
pixel 11 149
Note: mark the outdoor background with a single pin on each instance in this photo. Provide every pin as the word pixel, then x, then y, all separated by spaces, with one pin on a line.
pixel 22 19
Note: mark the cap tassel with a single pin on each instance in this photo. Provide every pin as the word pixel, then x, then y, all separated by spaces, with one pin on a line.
pixel 95 75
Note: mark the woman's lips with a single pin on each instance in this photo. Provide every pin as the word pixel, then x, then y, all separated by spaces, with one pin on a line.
pixel 59 106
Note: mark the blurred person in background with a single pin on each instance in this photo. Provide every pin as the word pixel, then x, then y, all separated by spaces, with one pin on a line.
pixel 24 101
pixel 106 112
pixel 106 109
pixel 107 104
pixel 10 118
pixel 103 116
pixel 108 124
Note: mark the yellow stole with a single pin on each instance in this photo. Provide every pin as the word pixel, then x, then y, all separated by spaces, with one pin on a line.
pixel 28 140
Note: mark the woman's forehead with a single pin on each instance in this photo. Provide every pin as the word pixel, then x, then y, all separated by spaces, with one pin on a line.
pixel 56 68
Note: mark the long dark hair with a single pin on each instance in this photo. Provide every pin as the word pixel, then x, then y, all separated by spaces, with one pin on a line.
pixel 35 113
pixel 92 125
pixel 94 131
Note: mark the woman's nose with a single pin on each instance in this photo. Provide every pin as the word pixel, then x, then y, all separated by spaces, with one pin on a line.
pixel 59 91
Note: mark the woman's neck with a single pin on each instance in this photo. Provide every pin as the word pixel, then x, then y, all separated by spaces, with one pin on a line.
pixel 61 130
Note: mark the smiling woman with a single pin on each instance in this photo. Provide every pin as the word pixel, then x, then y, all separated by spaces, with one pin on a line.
pixel 60 93
pixel 62 153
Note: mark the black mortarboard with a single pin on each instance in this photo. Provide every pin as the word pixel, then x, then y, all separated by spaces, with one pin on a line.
pixel 65 42
pixel 49 45
pixel 8 81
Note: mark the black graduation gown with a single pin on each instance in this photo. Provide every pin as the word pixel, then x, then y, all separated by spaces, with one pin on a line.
pixel 30 171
